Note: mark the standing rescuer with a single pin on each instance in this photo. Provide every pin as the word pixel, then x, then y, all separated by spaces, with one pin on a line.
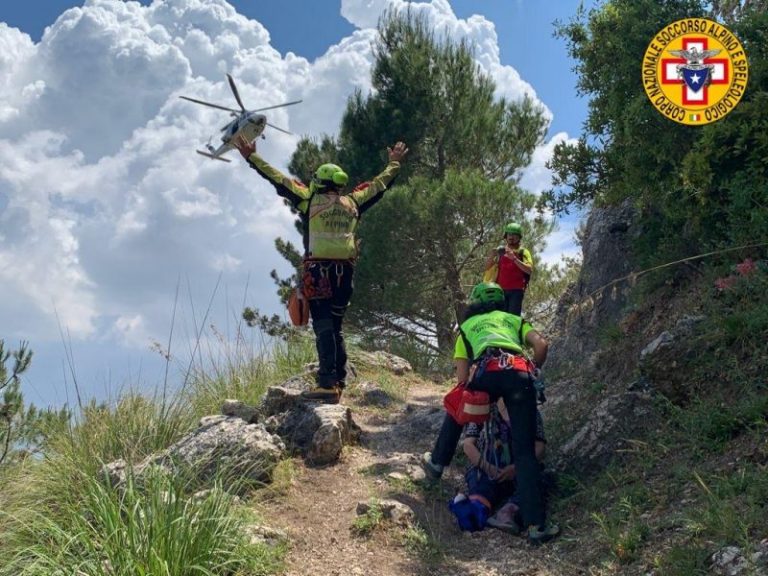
pixel 493 341
pixel 514 266
pixel 329 219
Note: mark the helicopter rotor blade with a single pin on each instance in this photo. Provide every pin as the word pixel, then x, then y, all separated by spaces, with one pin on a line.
pixel 277 106
pixel 235 92
pixel 209 104
pixel 279 129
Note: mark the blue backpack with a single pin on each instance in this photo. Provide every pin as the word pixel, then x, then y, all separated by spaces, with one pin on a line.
pixel 471 515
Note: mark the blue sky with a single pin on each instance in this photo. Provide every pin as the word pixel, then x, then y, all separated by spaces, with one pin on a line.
pixel 525 30
pixel 104 213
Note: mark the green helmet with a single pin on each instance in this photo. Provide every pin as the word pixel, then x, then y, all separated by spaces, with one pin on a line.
pixel 513 228
pixel 330 175
pixel 486 292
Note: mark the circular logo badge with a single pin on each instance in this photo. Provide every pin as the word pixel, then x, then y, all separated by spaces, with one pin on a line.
pixel 695 71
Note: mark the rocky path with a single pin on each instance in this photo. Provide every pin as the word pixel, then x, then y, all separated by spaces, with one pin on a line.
pixel 319 510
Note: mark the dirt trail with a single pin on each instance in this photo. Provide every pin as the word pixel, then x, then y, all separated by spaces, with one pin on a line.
pixel 319 510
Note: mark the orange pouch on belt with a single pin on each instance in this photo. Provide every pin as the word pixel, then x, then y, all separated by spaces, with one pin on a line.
pixel 508 362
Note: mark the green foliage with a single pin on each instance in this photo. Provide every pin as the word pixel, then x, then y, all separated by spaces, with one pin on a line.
pixel 681 560
pixel 739 308
pixel 420 543
pixel 12 406
pixel 628 148
pixel 23 430
pixel 429 92
pixel 58 517
pixel 425 243
pixel 734 504
pixel 132 428
pixel 239 372
pixel 365 524
pixel 609 335
pixel 153 529
pixel 426 246
pixel 697 188
pixel 623 530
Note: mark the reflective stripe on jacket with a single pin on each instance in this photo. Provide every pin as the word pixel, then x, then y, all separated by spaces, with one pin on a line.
pixel 329 220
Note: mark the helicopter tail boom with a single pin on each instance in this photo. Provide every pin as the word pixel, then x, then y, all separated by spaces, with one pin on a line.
pixel 207 154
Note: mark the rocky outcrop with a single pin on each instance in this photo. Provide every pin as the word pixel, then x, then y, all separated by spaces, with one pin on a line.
pixel 609 428
pixel 585 307
pixel 318 432
pixel 371 394
pixel 733 561
pixel 222 447
pixel 660 359
pixel 240 410
pixel 392 510
pixel 245 442
pixel 384 360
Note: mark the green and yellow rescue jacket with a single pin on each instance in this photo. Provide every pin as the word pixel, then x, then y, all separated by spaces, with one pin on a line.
pixel 329 219
pixel 496 329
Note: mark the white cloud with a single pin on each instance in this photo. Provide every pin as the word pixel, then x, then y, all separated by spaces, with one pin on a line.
pixel 104 206
pixel 536 177
pixel 477 30
pixel 562 242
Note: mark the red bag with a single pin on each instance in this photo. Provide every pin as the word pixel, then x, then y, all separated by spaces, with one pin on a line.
pixel 466 406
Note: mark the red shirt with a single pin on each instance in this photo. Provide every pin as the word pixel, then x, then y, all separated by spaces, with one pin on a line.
pixel 510 277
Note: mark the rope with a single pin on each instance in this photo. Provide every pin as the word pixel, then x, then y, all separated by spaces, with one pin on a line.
pixel 633 276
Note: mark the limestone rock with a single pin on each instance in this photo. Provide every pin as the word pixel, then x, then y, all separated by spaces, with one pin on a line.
pixel 397 512
pixel 265 535
pixel 240 410
pixel 660 358
pixel 372 395
pixel 317 431
pixel 607 240
pixel 731 561
pixel 222 447
pixel 608 428
pixel 279 399
pixel 380 359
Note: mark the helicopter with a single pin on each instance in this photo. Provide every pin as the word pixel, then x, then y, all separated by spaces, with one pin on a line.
pixel 248 124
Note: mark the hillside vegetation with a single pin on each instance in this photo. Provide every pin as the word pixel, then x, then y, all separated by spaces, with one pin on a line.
pixel 657 409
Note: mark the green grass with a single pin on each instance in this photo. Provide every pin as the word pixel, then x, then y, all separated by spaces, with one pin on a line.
pixel 365 524
pixel 395 388
pixel 243 374
pixel 153 529
pixel 420 543
pixel 623 530
pixel 682 560
pixel 59 516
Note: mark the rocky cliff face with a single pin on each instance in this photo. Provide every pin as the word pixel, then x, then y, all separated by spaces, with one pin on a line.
pixel 593 301
pixel 595 410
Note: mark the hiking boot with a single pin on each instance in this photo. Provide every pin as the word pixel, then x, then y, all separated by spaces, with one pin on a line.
pixel 433 471
pixel 508 526
pixel 504 519
pixel 538 535
pixel 325 395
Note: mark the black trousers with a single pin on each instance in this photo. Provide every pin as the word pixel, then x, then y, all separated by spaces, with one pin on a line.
pixel 513 301
pixel 520 399
pixel 327 313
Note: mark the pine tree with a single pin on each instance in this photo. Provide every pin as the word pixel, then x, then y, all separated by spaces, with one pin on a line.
pixel 425 243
